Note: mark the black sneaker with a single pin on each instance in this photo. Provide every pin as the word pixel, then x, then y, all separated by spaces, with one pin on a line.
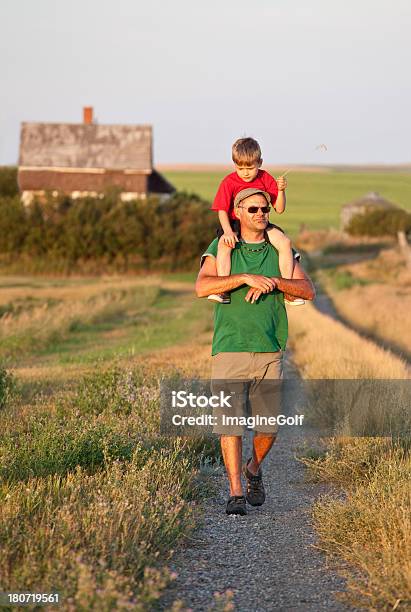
pixel 236 505
pixel 255 489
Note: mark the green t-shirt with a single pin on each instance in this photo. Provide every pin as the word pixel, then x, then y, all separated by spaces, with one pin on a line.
pixel 261 327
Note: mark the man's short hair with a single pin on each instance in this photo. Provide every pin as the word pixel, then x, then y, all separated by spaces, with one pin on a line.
pixel 246 152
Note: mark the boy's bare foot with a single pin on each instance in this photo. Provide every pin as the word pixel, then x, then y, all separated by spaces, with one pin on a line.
pixel 290 300
pixel 220 298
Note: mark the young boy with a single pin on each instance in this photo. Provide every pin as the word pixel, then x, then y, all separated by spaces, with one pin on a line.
pixel 246 155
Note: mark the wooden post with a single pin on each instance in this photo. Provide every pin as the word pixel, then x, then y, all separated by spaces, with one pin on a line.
pixel 405 247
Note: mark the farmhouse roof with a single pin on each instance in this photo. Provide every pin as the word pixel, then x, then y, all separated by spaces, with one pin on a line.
pixel 371 199
pixel 81 145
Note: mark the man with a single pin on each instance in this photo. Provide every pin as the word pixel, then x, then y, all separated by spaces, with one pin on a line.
pixel 250 334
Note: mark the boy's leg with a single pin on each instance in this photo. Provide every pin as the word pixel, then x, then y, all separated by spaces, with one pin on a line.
pixel 285 259
pixel 285 254
pixel 223 259
pixel 223 262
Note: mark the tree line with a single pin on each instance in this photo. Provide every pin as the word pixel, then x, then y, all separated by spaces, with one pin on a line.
pixel 105 234
pixel 94 234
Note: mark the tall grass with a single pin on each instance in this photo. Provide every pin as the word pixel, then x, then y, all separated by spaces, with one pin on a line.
pixel 370 527
pixel 381 311
pixel 374 297
pixel 92 498
pixel 324 348
pixel 7 387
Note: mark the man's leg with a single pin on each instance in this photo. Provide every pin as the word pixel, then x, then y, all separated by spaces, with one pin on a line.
pixel 262 443
pixel 265 399
pixel 229 373
pixel 265 392
pixel 231 447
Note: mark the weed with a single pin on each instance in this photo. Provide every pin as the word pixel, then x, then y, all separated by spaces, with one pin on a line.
pixel 7 387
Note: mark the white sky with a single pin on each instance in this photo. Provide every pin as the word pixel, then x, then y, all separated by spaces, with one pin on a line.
pixel 291 73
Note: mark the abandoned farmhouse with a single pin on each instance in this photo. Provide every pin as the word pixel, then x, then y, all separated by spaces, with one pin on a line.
pixel 87 158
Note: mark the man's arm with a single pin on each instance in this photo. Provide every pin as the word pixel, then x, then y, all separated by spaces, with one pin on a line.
pixel 299 286
pixel 209 282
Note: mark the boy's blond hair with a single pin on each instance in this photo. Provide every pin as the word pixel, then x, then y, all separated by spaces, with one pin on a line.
pixel 246 152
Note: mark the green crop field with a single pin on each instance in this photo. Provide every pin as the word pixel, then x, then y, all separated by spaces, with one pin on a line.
pixel 313 198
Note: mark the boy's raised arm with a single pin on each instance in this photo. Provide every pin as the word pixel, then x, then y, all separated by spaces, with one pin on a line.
pixel 280 202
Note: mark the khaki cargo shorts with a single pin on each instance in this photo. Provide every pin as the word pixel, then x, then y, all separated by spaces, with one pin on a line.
pixel 253 382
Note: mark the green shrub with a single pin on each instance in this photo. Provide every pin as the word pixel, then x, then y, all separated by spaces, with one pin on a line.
pixel 8 181
pixel 113 391
pixel 380 222
pixel 14 226
pixel 57 446
pixel 141 234
pixel 343 279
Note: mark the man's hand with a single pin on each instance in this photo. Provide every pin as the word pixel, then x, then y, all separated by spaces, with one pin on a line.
pixel 282 183
pixel 253 295
pixel 230 238
pixel 264 284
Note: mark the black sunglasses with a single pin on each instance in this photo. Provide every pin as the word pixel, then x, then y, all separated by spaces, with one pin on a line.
pixel 254 209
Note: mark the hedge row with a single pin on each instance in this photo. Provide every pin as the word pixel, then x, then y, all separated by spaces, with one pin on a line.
pixel 8 181
pixel 144 234
pixel 380 222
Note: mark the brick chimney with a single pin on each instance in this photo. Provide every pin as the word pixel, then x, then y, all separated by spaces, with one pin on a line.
pixel 87 115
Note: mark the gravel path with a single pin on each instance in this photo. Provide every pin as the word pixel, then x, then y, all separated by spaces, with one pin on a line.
pixel 267 558
pixel 325 305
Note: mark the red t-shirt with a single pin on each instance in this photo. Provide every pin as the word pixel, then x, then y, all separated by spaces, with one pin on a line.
pixel 232 184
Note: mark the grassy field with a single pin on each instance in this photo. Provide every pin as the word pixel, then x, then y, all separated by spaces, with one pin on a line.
pixel 81 321
pixel 92 498
pixel 314 198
